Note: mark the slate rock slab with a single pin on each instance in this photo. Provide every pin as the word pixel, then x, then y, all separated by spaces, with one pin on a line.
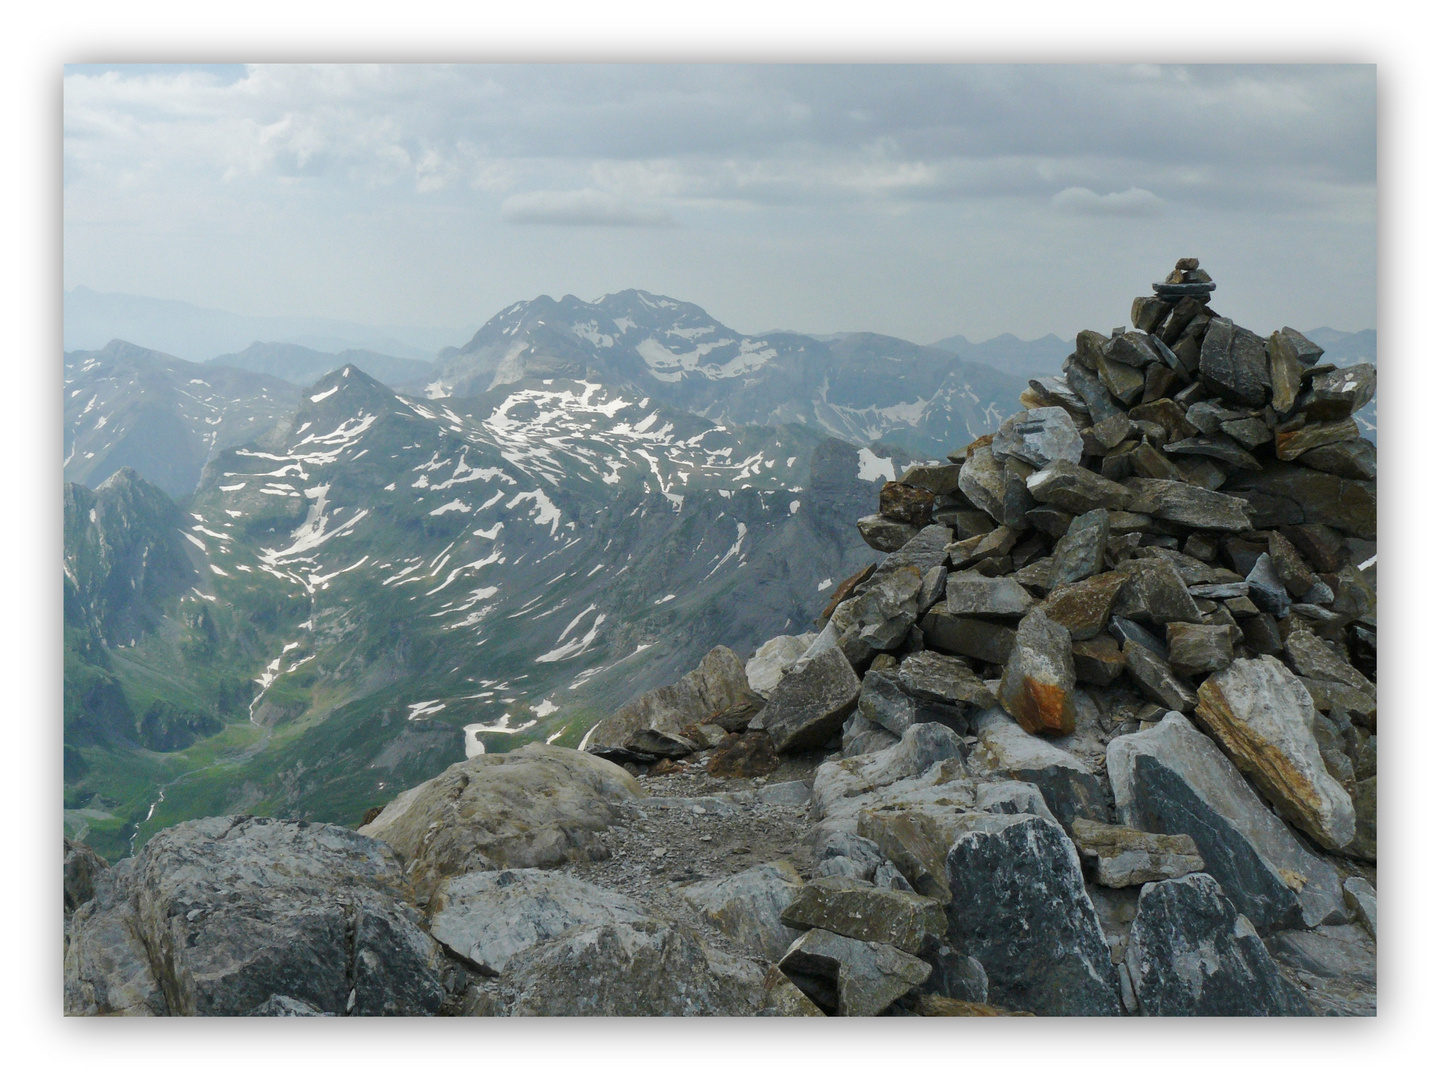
pixel 746 907
pixel 1006 749
pixel 490 915
pixel 1124 857
pixel 1192 954
pixel 859 910
pixel 811 703
pixel 1260 712
pixel 1173 779
pixel 1038 437
pixel 1037 686
pixel 1018 905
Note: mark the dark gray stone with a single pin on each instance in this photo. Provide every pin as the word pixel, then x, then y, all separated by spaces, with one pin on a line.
pixel 1098 402
pixel 1184 504
pixel 1154 676
pixel 1173 779
pixel 1154 591
pixel 882 534
pixel 1020 908
pixel 1336 394
pixel 1191 954
pixel 846 977
pixel 1077 490
pixel 932 676
pixel 811 703
pixel 1233 363
pixel 969 593
pixel 987 641
pixel 1267 590
pixel 1081 551
pixel 924 550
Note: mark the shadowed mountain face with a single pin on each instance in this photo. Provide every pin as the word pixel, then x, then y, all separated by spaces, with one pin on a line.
pixel 129 407
pixel 389 572
pixel 860 387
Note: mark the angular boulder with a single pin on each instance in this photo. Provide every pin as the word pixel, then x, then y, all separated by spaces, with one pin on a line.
pixel 234 910
pixel 1006 749
pixel 1260 712
pixel 848 977
pixel 970 594
pixel 856 909
pixel 491 915
pixel 1080 553
pixel 1038 684
pixel 629 969
pixel 982 480
pixel 1076 490
pixel 1192 954
pixel 1084 607
pixel 717 683
pixel 1172 779
pixel 1187 505
pixel 1019 906
pixel 1038 437
pixel 773 660
pixel 746 907
pixel 809 705
pixel 538 806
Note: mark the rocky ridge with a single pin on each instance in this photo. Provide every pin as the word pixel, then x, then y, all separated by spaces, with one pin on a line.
pixel 1096 736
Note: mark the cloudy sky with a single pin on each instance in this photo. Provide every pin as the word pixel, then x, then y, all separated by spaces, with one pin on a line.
pixel 915 200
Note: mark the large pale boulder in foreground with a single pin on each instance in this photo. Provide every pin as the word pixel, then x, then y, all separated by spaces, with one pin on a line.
pixel 1261 714
pixel 226 913
pixel 540 806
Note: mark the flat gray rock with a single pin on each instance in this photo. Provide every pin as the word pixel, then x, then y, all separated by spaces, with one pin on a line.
pixel 971 594
pixel 1080 553
pixel 746 907
pixel 489 916
pixel 1185 504
pixel 1123 857
pixel 1076 490
pixel 1192 954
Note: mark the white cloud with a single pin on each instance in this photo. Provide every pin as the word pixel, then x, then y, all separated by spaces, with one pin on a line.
pixel 584 207
pixel 1132 202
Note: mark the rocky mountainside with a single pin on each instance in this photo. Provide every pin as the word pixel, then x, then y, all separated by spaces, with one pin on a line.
pixel 863 388
pixel 1022 359
pixel 391 581
pixel 1096 736
pixel 130 407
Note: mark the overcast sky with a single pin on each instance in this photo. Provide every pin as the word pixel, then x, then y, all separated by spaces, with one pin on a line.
pixel 919 201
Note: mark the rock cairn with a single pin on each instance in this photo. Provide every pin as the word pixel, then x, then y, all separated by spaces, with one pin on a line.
pixel 1097 736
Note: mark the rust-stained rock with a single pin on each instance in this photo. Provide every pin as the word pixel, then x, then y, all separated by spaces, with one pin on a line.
pixel 1260 712
pixel 1038 684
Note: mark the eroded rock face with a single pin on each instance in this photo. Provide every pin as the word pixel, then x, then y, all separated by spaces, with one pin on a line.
pixel 1172 779
pixel 629 969
pixel 538 806
pixel 1261 714
pixel 1019 906
pixel 1192 954
pixel 107 971
pixel 234 910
